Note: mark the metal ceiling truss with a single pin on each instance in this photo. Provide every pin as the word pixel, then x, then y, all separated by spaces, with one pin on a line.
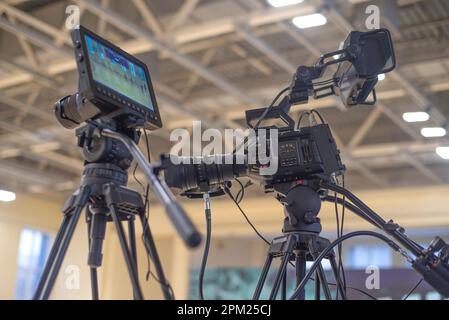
pixel 167 40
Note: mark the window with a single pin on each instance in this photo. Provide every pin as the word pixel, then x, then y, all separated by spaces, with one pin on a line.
pixel 33 250
pixel 362 256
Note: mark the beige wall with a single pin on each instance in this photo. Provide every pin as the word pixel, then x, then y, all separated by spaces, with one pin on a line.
pixel 45 216
pixel 413 208
pixel 30 212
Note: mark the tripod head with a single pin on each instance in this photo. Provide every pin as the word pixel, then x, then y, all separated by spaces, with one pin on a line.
pixel 302 204
pixel 100 149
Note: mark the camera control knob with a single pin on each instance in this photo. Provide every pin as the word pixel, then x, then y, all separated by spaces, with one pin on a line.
pixel 310 217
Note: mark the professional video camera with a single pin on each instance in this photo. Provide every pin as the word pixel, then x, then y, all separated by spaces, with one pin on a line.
pixel 115 101
pixel 304 154
pixel 309 152
pixel 309 164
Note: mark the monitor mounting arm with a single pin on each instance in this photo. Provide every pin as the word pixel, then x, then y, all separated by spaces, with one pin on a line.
pixel 303 87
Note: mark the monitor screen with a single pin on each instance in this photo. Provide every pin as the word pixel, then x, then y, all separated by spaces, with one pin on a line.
pixel 118 73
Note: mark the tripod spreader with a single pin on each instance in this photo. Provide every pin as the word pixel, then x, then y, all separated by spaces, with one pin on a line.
pixel 175 212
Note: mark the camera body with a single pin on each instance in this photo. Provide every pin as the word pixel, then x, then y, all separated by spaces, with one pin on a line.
pixel 306 154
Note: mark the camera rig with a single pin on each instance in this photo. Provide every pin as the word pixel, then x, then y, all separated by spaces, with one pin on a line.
pixel 309 163
pixel 116 96
pixel 115 100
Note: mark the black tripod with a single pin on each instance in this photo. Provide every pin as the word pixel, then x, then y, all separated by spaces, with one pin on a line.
pixel 104 195
pixel 300 243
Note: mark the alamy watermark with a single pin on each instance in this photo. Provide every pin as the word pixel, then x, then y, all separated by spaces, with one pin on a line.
pixel 73 277
pixel 73 13
pixel 372 22
pixel 189 148
pixel 372 282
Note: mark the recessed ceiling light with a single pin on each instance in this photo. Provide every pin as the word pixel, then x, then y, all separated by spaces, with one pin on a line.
pixel 309 21
pixel 416 116
pixel 381 77
pixel 433 132
pixel 443 152
pixel 283 3
pixel 7 196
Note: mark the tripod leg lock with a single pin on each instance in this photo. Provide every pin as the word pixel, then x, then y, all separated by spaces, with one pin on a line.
pixel 77 199
pixel 111 194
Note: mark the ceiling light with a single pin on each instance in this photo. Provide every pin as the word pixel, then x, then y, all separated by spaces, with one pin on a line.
pixel 309 21
pixel 416 116
pixel 443 152
pixel 7 196
pixel 381 77
pixel 283 3
pixel 433 132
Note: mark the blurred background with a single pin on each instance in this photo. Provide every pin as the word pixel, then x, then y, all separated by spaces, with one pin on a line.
pixel 211 60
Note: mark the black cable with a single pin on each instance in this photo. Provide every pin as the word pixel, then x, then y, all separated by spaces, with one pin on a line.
pixel 340 232
pixel 351 288
pixel 241 193
pixel 413 289
pixel 301 116
pixel 145 191
pixel 361 214
pixel 308 113
pixel 337 222
pixel 353 208
pixel 263 116
pixel 207 213
pixel 343 211
pixel 326 251
pixel 147 226
pixel 136 179
pixel 228 192
pixel 316 112
pixel 340 228
pixel 147 211
pixel 373 216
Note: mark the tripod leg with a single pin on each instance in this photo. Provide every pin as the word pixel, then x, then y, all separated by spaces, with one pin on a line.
pixel 263 276
pixel 284 287
pixel 94 283
pixel 324 283
pixel 132 246
pixel 152 252
pixel 132 240
pixel 93 270
pixel 301 264
pixel 317 287
pixel 315 251
pixel 280 275
pixel 77 207
pixel 337 277
pixel 126 254
pixel 51 257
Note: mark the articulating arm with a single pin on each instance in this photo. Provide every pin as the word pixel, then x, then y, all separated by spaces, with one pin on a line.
pixel 431 263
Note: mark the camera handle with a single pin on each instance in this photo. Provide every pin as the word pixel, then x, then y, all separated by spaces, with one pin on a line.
pixel 175 212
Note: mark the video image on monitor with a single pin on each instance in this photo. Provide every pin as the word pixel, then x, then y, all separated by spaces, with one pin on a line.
pixel 113 70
